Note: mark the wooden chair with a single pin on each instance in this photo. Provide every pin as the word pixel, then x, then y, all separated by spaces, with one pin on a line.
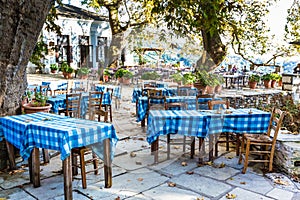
pixel 45 90
pixel 72 109
pixel 201 105
pixel 262 145
pixel 106 107
pixel 85 154
pixel 61 89
pixel 95 106
pixel 184 90
pixel 179 141
pixel 223 137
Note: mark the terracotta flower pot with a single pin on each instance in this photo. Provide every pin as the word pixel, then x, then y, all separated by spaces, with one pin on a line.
pixel 273 83
pixel 252 85
pixel 210 89
pixel 267 83
pixel 29 108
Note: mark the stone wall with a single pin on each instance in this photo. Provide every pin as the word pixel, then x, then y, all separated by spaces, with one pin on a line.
pixel 287 154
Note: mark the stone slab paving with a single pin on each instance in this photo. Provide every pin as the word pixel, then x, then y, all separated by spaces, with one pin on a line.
pixel 136 177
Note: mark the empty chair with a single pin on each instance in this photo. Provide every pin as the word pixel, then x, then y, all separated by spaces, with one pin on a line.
pixel 108 107
pixel 85 154
pixel 201 101
pixel 223 137
pixel 72 109
pixel 184 90
pixel 179 141
pixel 262 145
pixel 95 106
pixel 45 90
pixel 61 89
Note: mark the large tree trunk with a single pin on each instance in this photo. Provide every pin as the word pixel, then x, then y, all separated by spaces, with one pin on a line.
pixel 20 25
pixel 215 51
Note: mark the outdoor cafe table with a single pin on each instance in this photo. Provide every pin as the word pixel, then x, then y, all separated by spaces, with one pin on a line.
pixel 44 130
pixel 116 88
pixel 142 104
pixel 203 123
pixel 59 101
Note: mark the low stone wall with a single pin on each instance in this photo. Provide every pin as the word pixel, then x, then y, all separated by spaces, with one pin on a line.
pixel 287 154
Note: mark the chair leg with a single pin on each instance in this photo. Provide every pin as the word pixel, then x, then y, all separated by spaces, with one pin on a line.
pixel 74 162
pixel 110 114
pixel 184 141
pixel 242 150
pixel 227 141
pixel 246 157
pixel 83 174
pixel 192 147
pixel 95 163
pixel 210 147
pixel 46 156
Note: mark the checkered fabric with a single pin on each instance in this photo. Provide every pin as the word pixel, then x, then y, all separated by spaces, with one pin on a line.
pixel 13 127
pixel 240 121
pixel 60 102
pixel 202 123
pixel 137 92
pixel 116 93
pixel 190 100
pixel 183 122
pixel 56 132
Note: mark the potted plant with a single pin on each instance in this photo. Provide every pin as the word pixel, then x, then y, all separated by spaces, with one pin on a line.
pixel 150 76
pixel 67 70
pixel 53 67
pixel 177 77
pixel 37 104
pixel 83 72
pixel 267 80
pixel 219 82
pixel 253 80
pixel 106 75
pixel 274 78
pixel 127 76
pixel 123 75
pixel 202 81
pixel 189 79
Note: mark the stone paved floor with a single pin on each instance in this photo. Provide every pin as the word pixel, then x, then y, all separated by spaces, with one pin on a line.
pixel 136 178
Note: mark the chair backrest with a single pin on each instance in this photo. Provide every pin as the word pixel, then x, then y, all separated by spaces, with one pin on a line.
pixel 155 93
pixel 203 103
pixel 156 102
pixel 73 101
pixel 275 123
pixel 184 90
pixel 95 104
pixel 45 90
pixel 224 103
pixel 62 89
pixel 111 92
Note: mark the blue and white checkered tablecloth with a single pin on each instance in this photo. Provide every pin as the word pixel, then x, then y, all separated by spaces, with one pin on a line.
pixel 13 127
pixel 116 93
pixel 190 100
pixel 183 122
pixel 56 132
pixel 202 123
pixel 59 101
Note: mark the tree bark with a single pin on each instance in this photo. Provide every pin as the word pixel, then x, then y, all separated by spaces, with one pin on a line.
pixel 215 51
pixel 20 26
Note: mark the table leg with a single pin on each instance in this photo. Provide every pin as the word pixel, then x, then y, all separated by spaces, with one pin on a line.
pixel 67 169
pixel 238 144
pixel 35 167
pixel 210 147
pixel 154 150
pixel 107 164
pixel 193 147
pixel 11 155
pixel 143 123
pixel 201 150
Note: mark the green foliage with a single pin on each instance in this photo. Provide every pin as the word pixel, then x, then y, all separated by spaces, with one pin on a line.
pixel 202 77
pixel 150 76
pixel 123 73
pixel 106 73
pixel 64 67
pixel 266 77
pixel 254 78
pixel 53 66
pixel 39 52
pixel 177 77
pixel 39 99
pixel 83 71
pixel 275 76
pixel 189 78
